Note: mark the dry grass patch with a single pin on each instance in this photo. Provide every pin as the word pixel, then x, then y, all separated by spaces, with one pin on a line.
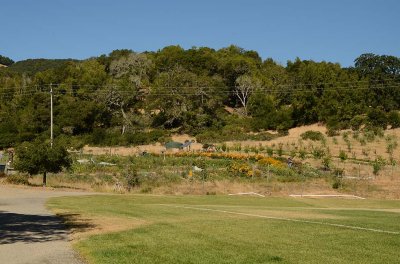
pixel 82 227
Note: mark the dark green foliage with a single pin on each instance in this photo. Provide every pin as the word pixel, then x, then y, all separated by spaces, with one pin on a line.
pixel 342 155
pixel 142 138
pixel 394 119
pixel 39 158
pixel 229 133
pixel 357 121
pixel 128 98
pixel 377 66
pixel 33 66
pixel 267 115
pixel 313 135
pixel 377 165
pixel 7 140
pixel 336 183
pixel 318 153
pixel 377 118
pixel 332 131
pixel 103 137
pixel 6 61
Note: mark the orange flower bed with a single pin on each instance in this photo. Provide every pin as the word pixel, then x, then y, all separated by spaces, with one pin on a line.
pixel 262 160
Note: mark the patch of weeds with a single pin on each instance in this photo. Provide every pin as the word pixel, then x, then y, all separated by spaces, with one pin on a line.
pixel 270 151
pixel 391 144
pixel 146 189
pixel 337 175
pixel 131 177
pixel 302 154
pixel 20 179
pixel 332 132
pixel 223 147
pixel 280 149
pixel 326 162
pixel 378 164
pixel 337 183
pixel 318 153
pixel 261 147
pixel 356 135
pixel 365 152
pixel 362 141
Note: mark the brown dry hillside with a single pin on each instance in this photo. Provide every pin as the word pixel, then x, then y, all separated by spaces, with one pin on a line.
pixel 359 150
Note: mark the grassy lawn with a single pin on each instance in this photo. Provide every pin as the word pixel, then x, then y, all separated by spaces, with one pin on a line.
pixel 226 229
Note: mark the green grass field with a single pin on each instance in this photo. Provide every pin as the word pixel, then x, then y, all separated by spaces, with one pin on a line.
pixel 232 229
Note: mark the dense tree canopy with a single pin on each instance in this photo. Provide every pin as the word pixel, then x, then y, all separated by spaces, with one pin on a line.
pixel 127 97
pixel 6 61
pixel 37 157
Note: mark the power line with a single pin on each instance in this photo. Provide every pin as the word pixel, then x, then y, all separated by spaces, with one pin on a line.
pixel 17 90
pixel 216 87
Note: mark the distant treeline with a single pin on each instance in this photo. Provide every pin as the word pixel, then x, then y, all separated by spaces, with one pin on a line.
pixel 131 98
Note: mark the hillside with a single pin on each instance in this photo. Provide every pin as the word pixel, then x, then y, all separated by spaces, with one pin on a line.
pixel 127 98
pixel 33 66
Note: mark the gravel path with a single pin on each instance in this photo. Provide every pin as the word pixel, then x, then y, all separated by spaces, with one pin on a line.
pixel 29 233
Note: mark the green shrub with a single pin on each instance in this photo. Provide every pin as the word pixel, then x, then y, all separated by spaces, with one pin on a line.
pixel 369 135
pixel 342 155
pixel 146 189
pixel 378 164
pixel 223 147
pixel 318 153
pixel 280 149
pixel 286 174
pixel 394 119
pixel 356 135
pixel 313 135
pixel 332 132
pixel 231 132
pixel 377 118
pixel 336 183
pixel 97 136
pixel 337 175
pixel 103 137
pixel 131 177
pixel 326 162
pixel 302 153
pixel 391 144
pixel 246 149
pixel 270 151
pixel 357 121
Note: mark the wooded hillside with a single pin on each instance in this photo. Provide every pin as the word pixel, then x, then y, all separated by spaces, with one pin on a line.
pixel 126 98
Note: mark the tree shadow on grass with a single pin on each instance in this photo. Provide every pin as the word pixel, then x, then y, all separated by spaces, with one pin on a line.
pixel 36 228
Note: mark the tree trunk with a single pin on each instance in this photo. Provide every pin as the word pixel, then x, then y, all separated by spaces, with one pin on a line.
pixel 125 120
pixel 44 179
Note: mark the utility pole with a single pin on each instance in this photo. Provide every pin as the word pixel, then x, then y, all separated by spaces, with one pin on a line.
pixel 51 115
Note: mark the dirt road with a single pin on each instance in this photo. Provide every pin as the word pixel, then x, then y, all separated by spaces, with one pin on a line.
pixel 29 233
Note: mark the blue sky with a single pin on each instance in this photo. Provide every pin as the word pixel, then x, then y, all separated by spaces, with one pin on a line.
pixel 335 30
